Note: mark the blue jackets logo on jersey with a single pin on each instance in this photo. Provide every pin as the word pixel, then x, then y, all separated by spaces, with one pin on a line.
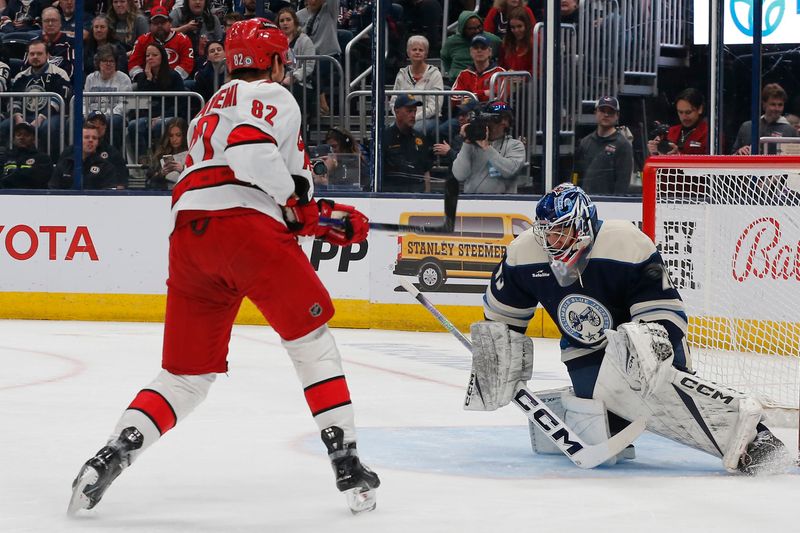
pixel 584 319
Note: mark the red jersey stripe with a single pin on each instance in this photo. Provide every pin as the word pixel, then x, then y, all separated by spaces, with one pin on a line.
pixel 204 178
pixel 326 395
pixel 155 407
pixel 247 134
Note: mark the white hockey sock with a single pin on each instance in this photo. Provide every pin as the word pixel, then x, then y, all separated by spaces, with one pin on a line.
pixel 319 367
pixel 161 404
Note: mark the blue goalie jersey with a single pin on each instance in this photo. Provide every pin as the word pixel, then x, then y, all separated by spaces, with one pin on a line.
pixel 624 280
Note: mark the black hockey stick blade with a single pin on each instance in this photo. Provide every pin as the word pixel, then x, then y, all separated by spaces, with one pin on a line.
pixel 447 225
pixel 579 452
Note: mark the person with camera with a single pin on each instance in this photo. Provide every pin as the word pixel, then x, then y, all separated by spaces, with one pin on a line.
pixel 340 162
pixel 490 159
pixel 690 137
pixel 604 158
pixel 408 156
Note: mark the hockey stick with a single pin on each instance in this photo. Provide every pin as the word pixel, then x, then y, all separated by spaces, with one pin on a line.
pixel 582 454
pixel 447 226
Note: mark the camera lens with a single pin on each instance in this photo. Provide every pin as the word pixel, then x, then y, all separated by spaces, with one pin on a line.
pixel 318 167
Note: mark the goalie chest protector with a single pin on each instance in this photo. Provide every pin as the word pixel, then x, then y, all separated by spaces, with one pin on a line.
pixel 624 280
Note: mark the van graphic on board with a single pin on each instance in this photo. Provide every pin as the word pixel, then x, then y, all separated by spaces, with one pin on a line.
pixel 472 251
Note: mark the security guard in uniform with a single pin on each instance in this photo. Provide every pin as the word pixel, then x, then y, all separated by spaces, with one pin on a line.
pixel 24 167
pixel 98 172
pixel 408 155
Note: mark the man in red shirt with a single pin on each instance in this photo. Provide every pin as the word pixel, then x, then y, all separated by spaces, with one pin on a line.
pixel 178 46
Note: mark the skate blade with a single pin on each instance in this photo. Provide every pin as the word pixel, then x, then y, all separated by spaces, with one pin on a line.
pixel 79 500
pixel 360 500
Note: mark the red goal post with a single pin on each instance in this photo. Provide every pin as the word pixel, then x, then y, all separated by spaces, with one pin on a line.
pixel 728 228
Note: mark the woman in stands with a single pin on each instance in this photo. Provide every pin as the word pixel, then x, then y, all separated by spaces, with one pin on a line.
pixel 103 33
pixel 498 19
pixel 106 78
pixel 347 165
pixel 158 78
pixel 418 76
pixel 516 52
pixel 212 75
pixel 127 22
pixel 690 136
pixel 169 156
pixel 299 80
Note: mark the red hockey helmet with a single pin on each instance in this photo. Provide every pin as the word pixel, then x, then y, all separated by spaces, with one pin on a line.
pixel 252 43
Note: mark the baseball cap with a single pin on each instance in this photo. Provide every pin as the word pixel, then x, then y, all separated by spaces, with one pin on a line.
pixel 24 126
pixel 405 100
pixel 468 107
pixel 607 101
pixel 97 115
pixel 479 40
pixel 159 11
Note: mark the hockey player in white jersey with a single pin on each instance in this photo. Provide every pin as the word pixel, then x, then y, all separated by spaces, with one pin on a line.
pixel 245 195
pixel 623 328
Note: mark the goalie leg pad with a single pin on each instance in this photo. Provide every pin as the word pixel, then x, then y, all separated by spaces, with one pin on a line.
pixel 541 443
pixel 636 379
pixel 501 358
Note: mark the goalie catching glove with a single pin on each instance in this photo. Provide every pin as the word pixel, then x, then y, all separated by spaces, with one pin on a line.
pixel 302 218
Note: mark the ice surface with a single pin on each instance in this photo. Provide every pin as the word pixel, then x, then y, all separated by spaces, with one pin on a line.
pixel 249 458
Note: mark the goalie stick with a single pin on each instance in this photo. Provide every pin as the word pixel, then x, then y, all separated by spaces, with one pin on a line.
pixel 447 225
pixel 582 454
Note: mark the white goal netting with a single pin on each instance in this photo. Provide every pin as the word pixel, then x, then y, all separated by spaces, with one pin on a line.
pixel 730 238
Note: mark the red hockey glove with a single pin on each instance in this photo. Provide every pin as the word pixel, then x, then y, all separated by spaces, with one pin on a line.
pixel 354 225
pixel 301 218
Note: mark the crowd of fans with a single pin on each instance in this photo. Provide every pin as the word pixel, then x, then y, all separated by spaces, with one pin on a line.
pixel 177 46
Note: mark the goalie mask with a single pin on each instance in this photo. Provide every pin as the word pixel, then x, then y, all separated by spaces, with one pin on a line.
pixel 566 226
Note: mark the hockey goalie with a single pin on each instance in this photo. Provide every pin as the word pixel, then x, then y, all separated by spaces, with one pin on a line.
pixel 623 327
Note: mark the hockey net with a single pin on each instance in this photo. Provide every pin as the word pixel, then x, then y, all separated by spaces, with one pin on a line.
pixel 728 229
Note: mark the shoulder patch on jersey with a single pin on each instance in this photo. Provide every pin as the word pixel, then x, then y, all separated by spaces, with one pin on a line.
pixel 94 169
pixel 583 318
pixel 30 161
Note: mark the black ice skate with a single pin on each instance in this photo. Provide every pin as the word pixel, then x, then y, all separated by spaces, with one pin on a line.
pixel 352 477
pixel 765 455
pixel 97 474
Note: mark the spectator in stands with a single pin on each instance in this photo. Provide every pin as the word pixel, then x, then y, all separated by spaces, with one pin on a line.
pixel 451 141
pixel 43 113
pixel 169 156
pixel 66 9
pixel 499 17
pixel 299 80
pixel 604 158
pixel 346 164
pixel 516 53
pixel 127 22
pixel 60 46
pixel 179 47
pixel 21 15
pixel 772 123
pixel 476 77
pixel 424 17
pixel 220 8
pixel 569 12
pixel 194 19
pixel 104 149
pixel 5 69
pixel 157 76
pixel 456 51
pixel 98 173
pixel 690 137
pixel 490 162
pixel 212 75
pixel 108 79
pixel 420 76
pixel 248 10
pixel 794 120
pixel 408 156
pixel 230 18
pixel 102 34
pixel 25 167
pixel 319 21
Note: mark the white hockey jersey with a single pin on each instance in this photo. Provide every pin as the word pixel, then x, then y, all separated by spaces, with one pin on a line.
pixel 244 147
